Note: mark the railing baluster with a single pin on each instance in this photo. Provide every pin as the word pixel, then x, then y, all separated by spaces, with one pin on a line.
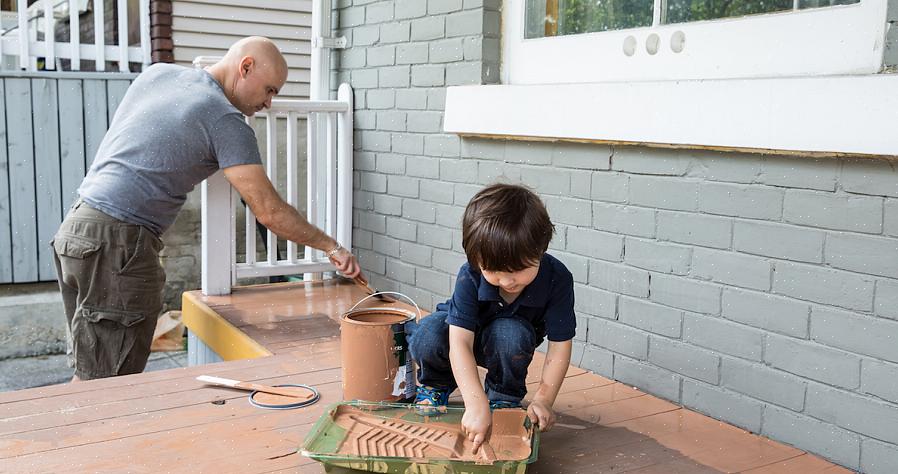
pixel 74 35
pixel 344 167
pixel 24 36
pixel 99 35
pixel 331 199
pixel 311 181
pixel 271 169
pixel 292 191
pixel 250 234
pixel 49 36
pixel 146 51
pixel 123 36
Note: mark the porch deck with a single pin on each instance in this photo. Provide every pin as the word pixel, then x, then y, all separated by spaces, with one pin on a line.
pixel 167 421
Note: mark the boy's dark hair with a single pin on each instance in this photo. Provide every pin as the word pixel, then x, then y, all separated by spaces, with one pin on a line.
pixel 505 228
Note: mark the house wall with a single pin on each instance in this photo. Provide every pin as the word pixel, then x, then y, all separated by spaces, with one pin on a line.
pixel 761 290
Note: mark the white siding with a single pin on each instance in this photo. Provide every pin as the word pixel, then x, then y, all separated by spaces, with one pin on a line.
pixel 208 27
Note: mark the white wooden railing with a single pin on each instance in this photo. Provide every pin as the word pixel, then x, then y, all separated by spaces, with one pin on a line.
pixel 20 40
pixel 221 266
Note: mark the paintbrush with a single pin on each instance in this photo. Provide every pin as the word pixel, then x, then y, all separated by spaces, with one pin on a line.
pixel 362 283
pixel 285 391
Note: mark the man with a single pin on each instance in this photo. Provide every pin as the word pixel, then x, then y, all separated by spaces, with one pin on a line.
pixel 175 127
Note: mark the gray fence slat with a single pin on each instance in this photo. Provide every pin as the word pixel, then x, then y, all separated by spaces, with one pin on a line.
pixel 95 117
pixel 71 139
pixel 5 231
pixel 116 92
pixel 47 173
pixel 21 180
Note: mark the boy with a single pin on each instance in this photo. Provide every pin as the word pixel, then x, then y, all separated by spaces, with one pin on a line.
pixel 509 295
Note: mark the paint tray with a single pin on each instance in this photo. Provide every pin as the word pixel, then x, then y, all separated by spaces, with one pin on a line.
pixel 395 438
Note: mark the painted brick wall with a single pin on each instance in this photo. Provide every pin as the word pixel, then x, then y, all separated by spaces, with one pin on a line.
pixel 762 291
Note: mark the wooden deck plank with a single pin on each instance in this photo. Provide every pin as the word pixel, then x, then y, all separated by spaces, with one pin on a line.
pixel 802 463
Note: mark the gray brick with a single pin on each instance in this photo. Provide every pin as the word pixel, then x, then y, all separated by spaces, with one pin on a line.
pixel 425 122
pixel 436 7
pixel 651 317
pixel 578 265
pixel 822 285
pixel 352 17
pixel 485 149
pixel 887 299
pixel 374 182
pixel 379 12
pixel 462 171
pixel 852 332
pixel 891 217
pixel 834 211
pixel 381 99
pixel 437 191
pixel 386 245
pixel 414 53
pixel 723 336
pixel 731 268
pixel 473 49
pixel 423 167
pixel 581 156
pixel 410 9
pixel 362 239
pixel 873 255
pixel 582 322
pixel 769 312
pixel 428 28
pixel 398 32
pixel 724 166
pixel 447 261
pixel 492 24
pixel 598 361
pixel 401 272
pixel 363 200
pixel 619 278
pixel 428 75
pixel 568 211
pixel 435 236
pixel 365 120
pixel 807 433
pixel 623 219
pixel 723 405
pixel 411 99
pixel 595 244
pixel 352 58
pixel 874 177
pixel 878 457
pixel 618 338
pixel 803 172
pixel 401 229
pixel 558 242
pixel 421 211
pixel 425 299
pixel 416 254
pixel 365 35
pixel 489 172
pixel 664 193
pixel 546 180
pixel 396 76
pixel 853 412
pixel 581 184
pixel 449 216
pixel 441 145
pixel 402 186
pixel 776 240
pixel 372 222
pixel 391 120
pixel 652 255
pixel 389 205
pixel 684 359
pixel 596 302
pixel 436 99
pixel 364 79
pixel 687 228
pixel 467 23
pixel 610 187
pixel 433 281
pixel 372 262
pixel 642 160
pixel 649 378
pixel 447 51
pixel 364 161
pixel 529 153
pixel 813 361
pixel 763 383
pixel 408 143
pixel 686 294
pixel 466 73
pixel 755 202
pixel 880 379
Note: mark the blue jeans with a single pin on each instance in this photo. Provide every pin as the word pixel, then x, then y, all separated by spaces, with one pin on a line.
pixel 503 347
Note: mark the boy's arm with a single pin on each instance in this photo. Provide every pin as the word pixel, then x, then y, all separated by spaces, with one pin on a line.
pixel 558 358
pixel 477 420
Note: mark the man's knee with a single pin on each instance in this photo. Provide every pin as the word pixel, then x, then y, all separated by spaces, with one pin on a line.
pixel 509 336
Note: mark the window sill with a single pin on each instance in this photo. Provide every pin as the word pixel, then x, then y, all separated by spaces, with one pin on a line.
pixel 817 116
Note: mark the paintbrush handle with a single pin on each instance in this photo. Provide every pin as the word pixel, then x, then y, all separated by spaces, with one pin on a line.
pixel 285 391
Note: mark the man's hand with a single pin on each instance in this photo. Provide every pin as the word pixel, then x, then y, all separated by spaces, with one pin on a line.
pixel 476 423
pixel 541 414
pixel 346 262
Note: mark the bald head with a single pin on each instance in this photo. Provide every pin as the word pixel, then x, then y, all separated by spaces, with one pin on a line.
pixel 251 73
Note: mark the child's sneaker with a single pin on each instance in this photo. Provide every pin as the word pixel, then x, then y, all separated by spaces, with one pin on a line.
pixel 431 401
pixel 500 404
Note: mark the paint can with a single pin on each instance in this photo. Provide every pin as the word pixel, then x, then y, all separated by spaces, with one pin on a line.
pixel 374 351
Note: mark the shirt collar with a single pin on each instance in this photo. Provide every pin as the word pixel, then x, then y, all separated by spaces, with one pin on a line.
pixel 536 294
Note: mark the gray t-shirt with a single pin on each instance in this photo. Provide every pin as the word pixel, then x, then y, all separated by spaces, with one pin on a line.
pixel 173 129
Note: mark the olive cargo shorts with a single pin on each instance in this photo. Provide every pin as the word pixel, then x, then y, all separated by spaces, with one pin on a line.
pixel 111 282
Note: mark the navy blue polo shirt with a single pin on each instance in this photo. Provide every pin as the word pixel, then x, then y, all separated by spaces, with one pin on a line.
pixel 547 302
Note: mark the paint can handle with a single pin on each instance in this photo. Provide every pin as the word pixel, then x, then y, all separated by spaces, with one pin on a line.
pixel 389 293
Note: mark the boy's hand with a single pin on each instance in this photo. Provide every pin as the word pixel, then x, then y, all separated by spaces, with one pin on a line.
pixel 541 414
pixel 476 423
